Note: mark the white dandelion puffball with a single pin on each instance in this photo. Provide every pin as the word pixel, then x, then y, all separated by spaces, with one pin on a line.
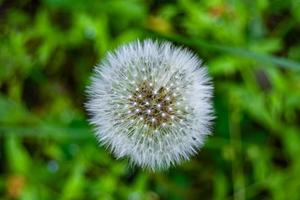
pixel 151 102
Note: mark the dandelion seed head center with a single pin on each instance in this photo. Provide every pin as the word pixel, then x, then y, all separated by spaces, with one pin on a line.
pixel 156 107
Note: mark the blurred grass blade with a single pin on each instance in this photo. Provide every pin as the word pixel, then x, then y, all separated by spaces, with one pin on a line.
pixel 200 44
pixel 48 131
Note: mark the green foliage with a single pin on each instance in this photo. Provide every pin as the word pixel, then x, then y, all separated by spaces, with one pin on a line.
pixel 48 49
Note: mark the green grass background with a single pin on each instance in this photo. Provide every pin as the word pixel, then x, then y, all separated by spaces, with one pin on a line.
pixel 48 49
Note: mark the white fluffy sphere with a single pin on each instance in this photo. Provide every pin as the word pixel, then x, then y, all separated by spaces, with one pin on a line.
pixel 151 102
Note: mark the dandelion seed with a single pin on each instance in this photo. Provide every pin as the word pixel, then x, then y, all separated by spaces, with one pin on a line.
pixel 166 102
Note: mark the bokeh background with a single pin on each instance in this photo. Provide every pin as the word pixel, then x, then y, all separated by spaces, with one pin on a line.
pixel 48 49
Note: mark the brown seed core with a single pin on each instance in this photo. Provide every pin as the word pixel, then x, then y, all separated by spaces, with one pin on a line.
pixel 154 108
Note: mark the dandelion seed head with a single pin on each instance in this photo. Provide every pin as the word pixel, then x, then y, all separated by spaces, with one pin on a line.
pixel 148 100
